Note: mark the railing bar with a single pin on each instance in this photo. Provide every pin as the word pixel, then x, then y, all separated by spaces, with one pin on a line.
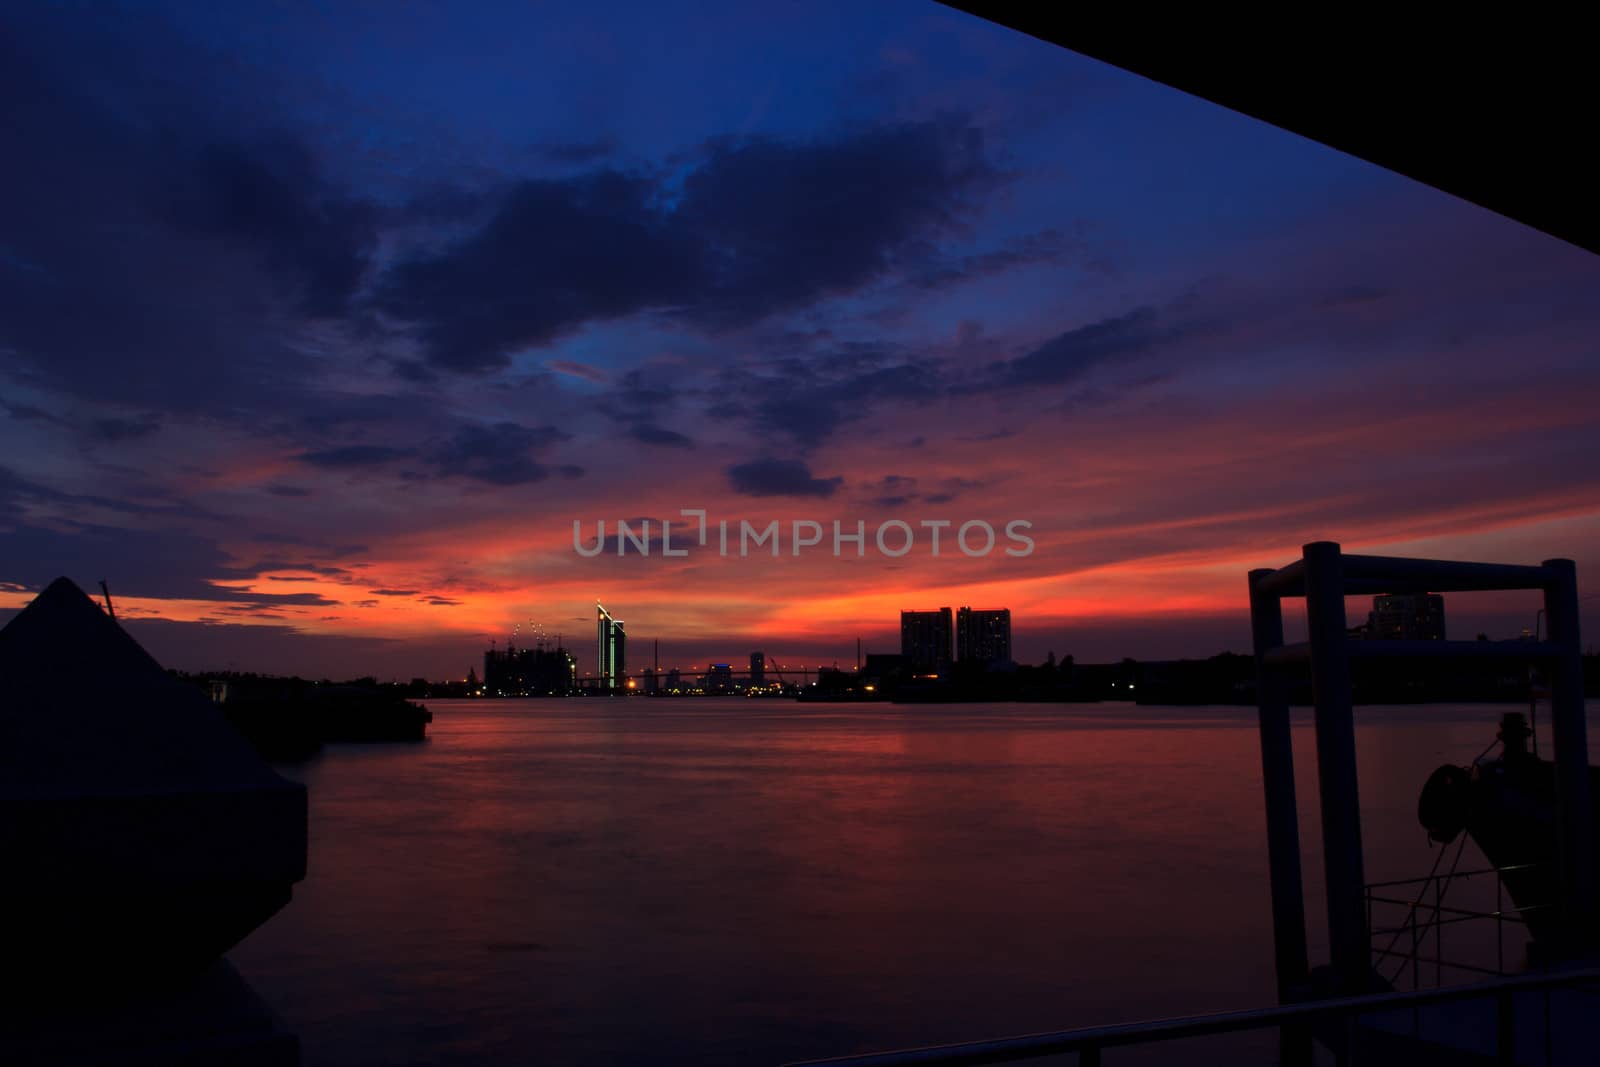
pixel 1506 1028
pixel 1549 1037
pixel 1049 1044
pixel 1415 946
pixel 1411 905
pixel 1444 877
pixel 1474 968
pixel 1438 928
pixel 1499 924
pixel 1454 919
pixel 1510 914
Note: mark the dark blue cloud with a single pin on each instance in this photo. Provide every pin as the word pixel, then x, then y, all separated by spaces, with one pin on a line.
pixel 501 454
pixel 760 226
pixel 651 434
pixel 270 196
pixel 135 562
pixel 1071 355
pixel 160 238
pixel 119 429
pixel 787 223
pixel 812 398
pixel 780 477
pixel 556 255
pixel 1046 246
pixel 577 153
pixel 353 456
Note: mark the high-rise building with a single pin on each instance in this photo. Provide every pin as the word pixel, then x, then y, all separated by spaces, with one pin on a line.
pixel 610 650
pixel 758 669
pixel 983 636
pixel 1406 617
pixel 925 640
pixel 545 670
pixel 719 679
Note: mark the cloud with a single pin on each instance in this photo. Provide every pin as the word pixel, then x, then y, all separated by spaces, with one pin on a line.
pixel 1046 246
pixel 577 152
pixel 1071 355
pixel 651 434
pixel 556 255
pixel 29 413
pixel 787 223
pixel 579 370
pixel 162 242
pixel 761 226
pixel 115 429
pixel 268 195
pixel 780 477
pixel 161 562
pixel 353 456
pixel 501 454
pixel 394 592
pixel 812 398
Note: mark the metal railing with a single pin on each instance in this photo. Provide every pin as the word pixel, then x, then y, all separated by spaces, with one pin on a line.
pixel 1089 1042
pixel 1415 933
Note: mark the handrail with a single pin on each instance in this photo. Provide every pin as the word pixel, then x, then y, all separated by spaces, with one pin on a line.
pixel 1090 1040
pixel 1458 874
pixel 1436 922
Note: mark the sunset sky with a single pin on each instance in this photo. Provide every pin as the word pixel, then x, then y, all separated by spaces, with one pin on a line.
pixel 320 327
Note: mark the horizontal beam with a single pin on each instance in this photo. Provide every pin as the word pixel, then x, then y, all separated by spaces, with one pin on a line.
pixel 1397 574
pixel 1499 649
pixel 1289 580
pixel 1444 576
pixel 1036 1046
pixel 1294 655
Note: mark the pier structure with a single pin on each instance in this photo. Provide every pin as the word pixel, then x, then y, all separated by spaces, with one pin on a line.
pixel 1324 576
pixel 1544 1017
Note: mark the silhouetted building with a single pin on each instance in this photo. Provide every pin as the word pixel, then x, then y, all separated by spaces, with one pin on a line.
pixel 925 639
pixel 611 661
pixel 674 680
pixel 719 679
pixel 758 669
pixel 1406 617
pixel 652 681
pixel 539 671
pixel 983 636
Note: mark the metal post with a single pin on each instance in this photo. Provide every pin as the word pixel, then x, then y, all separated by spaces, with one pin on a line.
pixel 1569 733
pixel 1336 766
pixel 1277 778
pixel 1506 1029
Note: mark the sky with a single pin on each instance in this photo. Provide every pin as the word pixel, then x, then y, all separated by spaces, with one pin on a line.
pixel 322 325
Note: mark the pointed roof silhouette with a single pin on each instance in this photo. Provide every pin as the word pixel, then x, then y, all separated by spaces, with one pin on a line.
pixel 85 709
pixel 141 835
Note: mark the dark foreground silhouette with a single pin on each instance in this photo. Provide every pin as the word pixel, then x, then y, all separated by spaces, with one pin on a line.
pixel 141 835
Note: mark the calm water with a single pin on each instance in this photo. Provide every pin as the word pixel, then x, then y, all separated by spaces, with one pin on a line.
pixel 753 882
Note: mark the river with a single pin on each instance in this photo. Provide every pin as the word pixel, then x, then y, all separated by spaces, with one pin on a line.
pixel 758 881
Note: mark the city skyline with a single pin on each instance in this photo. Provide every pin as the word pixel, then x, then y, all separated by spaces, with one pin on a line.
pixel 317 363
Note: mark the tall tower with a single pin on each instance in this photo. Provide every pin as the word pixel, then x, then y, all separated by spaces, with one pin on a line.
pixel 983 636
pixel 925 639
pixel 610 655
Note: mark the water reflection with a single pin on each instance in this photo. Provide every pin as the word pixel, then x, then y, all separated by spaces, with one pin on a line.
pixel 749 882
